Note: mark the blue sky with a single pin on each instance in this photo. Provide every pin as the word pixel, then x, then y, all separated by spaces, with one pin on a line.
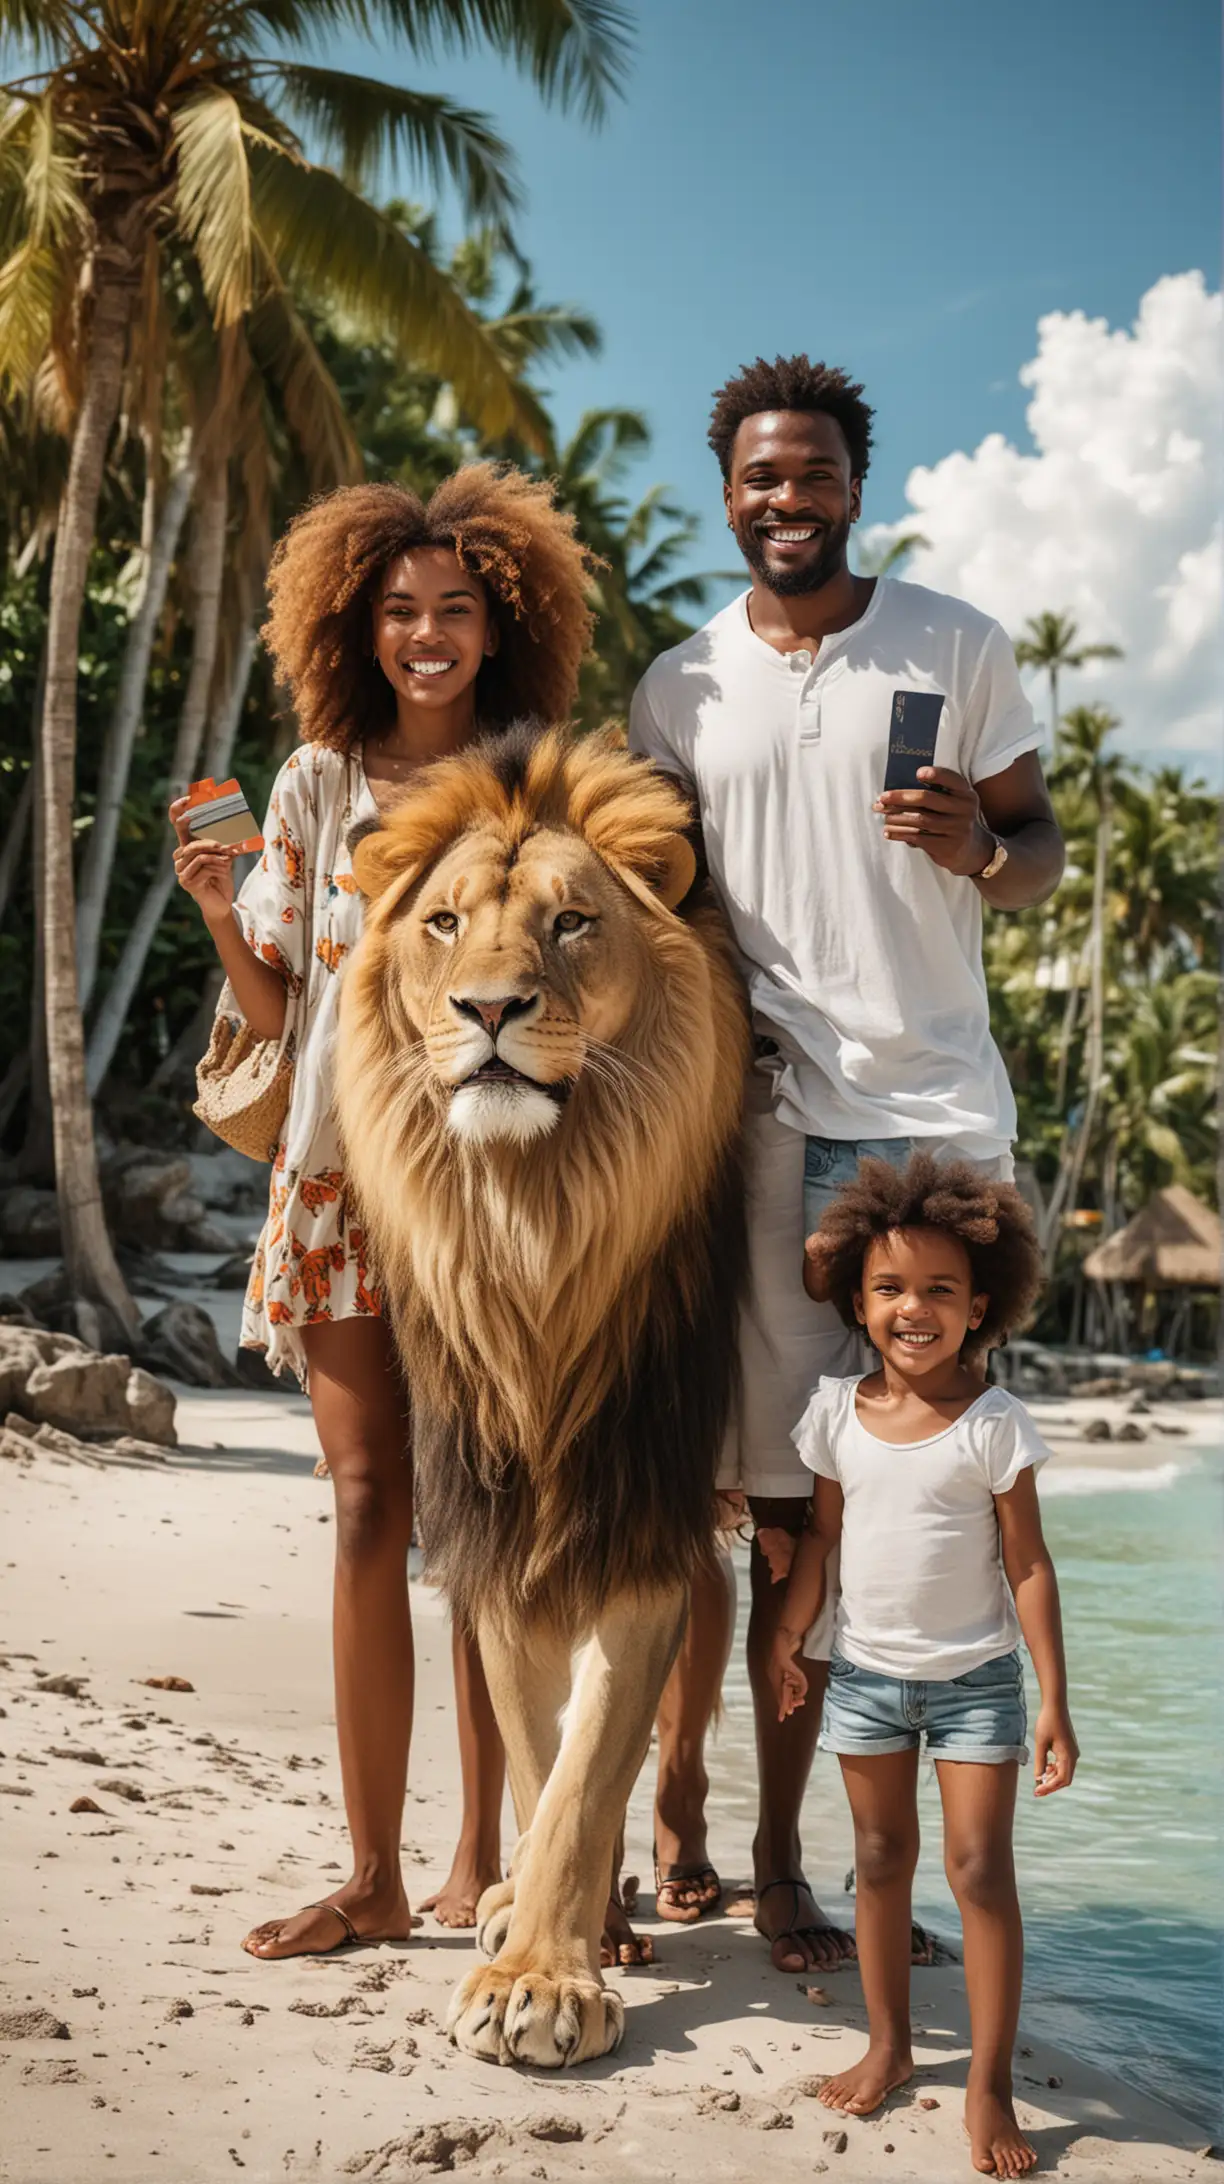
pixel 903 188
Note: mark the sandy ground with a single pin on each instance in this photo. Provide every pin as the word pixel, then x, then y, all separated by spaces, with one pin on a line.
pixel 184 2060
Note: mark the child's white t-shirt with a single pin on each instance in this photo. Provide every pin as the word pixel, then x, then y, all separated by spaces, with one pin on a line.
pixel 924 1596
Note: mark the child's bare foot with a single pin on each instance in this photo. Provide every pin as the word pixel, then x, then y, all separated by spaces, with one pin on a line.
pixel 860 2090
pixel 454 1904
pixel 998 2144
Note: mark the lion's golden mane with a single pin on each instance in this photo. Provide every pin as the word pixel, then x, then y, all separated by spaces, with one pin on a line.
pixel 566 1310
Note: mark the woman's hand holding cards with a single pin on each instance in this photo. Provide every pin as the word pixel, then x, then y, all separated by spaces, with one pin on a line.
pixel 204 869
pixel 943 817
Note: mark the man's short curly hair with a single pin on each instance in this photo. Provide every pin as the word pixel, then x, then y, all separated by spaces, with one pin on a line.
pixel 990 1219
pixel 792 383
pixel 504 527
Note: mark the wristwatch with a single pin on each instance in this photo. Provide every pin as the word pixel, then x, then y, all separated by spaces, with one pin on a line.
pixel 998 858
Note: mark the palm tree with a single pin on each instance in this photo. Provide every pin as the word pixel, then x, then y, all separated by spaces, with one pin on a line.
pixel 1093 774
pixel 154 122
pixel 885 559
pixel 639 593
pixel 1052 644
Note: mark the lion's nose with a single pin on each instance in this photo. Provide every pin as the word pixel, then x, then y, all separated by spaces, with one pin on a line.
pixel 493 1014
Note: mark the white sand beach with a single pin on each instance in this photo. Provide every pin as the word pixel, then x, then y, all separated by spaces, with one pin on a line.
pixel 138 2042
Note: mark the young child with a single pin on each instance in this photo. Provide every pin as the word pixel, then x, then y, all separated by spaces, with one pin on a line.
pixel 927 1479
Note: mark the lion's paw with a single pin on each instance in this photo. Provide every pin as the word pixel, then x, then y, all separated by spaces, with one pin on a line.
pixel 493 1917
pixel 529 2017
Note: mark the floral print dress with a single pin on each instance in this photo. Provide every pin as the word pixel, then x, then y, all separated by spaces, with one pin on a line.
pixel 301 911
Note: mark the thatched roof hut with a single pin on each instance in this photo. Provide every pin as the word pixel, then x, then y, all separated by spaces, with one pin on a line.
pixel 1174 1243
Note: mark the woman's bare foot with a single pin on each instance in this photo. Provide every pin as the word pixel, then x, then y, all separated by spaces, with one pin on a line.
pixel 620 1945
pixel 800 1937
pixel 372 1914
pixel 998 2144
pixel 454 1904
pixel 862 2089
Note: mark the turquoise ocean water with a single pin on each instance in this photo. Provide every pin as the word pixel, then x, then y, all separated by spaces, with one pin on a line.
pixel 1122 1876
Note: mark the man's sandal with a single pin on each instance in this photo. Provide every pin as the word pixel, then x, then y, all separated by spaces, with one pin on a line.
pixel 349 1939
pixel 804 1936
pixel 680 1880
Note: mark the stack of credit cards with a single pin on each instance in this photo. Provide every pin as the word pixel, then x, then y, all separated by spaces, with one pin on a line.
pixel 219 812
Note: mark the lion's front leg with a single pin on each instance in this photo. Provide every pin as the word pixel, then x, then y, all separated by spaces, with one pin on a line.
pixel 543 2000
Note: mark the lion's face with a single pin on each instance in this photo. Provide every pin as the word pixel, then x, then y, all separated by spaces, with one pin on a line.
pixel 517 963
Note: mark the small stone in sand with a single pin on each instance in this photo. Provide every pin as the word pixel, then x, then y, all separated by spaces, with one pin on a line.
pixel 85 1804
pixel 51 2073
pixel 558 2130
pixel 117 1787
pixel 84 1752
pixel 890 2148
pixel 836 2141
pixel 166 1683
pixel 1054 2082
pixel 32 2024
pixel 818 1995
pixel 65 1687
pixel 82 1994
pixel 928 2103
pixel 178 2009
pixel 201 1888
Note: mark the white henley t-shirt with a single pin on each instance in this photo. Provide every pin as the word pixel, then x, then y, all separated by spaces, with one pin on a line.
pixel 863 959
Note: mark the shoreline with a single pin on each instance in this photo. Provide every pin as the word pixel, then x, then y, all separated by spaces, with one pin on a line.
pixel 220 1806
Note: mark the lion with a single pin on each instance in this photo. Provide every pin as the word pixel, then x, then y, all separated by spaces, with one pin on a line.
pixel 542 1046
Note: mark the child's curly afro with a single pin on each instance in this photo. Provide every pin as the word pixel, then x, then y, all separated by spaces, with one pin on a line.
pixel 504 527
pixel 990 1219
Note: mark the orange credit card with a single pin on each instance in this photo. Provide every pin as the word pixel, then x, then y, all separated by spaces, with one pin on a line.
pixel 217 811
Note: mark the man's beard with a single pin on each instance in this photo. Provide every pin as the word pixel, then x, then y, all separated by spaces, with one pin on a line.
pixel 803 576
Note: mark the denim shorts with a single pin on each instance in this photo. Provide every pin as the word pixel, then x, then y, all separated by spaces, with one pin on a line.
pixel 981 1716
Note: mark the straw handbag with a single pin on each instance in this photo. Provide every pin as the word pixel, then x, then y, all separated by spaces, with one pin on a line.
pixel 243 1086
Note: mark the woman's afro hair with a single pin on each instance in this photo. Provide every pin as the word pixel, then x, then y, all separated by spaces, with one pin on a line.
pixel 792 383
pixel 990 1219
pixel 504 527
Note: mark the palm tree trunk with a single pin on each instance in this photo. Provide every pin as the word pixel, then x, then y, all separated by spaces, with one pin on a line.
pixel 13 849
pixel 89 1259
pixel 208 571
pixel 1055 715
pixel 124 723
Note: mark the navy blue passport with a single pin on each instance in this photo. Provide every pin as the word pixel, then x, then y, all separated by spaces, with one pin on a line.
pixel 911 736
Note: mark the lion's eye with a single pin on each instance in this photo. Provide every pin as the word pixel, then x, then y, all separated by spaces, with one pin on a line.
pixel 571 921
pixel 443 923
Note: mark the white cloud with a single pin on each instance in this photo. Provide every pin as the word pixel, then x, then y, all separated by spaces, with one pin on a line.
pixel 1113 519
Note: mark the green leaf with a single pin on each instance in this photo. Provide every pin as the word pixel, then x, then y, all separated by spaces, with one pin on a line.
pixel 574 51
pixel 282 347
pixel 329 244
pixel 359 123
pixel 213 199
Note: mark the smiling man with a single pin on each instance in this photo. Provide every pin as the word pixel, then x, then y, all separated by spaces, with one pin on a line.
pixel 858 915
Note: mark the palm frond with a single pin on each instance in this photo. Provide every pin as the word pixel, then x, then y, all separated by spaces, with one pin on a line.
pixel 329 244
pixel 359 122
pixel 545 333
pixel 43 221
pixel 603 442
pixel 29 289
pixel 574 51
pixel 284 351
pixel 40 28
pixel 213 199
